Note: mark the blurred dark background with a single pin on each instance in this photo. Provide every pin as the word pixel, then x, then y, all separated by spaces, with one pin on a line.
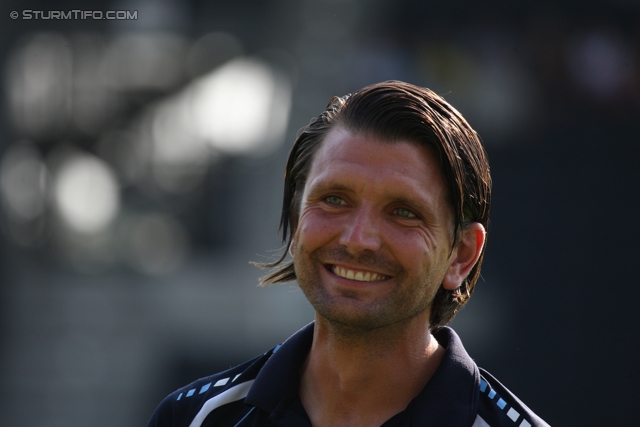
pixel 141 161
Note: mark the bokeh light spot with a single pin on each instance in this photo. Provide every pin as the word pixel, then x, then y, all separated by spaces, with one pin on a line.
pixel 86 193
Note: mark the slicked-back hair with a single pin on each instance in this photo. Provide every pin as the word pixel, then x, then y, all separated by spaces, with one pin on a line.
pixel 398 111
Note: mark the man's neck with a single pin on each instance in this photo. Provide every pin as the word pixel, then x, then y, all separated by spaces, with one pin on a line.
pixel 356 378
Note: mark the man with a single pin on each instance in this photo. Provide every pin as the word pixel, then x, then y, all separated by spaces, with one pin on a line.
pixel 385 211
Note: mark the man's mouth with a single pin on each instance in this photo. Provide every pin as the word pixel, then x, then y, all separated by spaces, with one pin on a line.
pixel 359 276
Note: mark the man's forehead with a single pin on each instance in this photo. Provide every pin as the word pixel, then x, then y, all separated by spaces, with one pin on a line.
pixel 344 145
pixel 345 155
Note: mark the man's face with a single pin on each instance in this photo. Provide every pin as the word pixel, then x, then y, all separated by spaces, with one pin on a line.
pixel 373 239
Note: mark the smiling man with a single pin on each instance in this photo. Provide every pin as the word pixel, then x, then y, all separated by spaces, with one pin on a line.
pixel 386 205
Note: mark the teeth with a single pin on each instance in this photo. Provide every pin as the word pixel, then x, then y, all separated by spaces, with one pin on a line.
pixel 357 275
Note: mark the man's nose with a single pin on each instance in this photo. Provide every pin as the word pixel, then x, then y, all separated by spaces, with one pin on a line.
pixel 362 231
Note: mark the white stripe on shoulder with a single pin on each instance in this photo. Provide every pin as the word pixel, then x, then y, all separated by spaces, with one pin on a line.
pixel 234 393
pixel 479 422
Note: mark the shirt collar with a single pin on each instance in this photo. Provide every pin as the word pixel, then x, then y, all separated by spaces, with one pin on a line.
pixel 279 378
pixel 449 398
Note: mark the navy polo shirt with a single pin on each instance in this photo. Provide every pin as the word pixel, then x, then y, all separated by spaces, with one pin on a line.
pixel 264 392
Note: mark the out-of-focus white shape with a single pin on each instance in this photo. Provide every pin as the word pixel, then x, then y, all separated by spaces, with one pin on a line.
pixel 86 193
pixel 179 159
pixel 150 61
pixel 39 81
pixel 241 107
pixel 23 182
pixel 601 63
pixel 156 244
pixel 173 143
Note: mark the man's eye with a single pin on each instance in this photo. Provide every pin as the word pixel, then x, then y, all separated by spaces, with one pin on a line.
pixel 334 200
pixel 405 213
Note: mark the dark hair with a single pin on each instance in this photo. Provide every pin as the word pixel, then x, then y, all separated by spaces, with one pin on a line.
pixel 396 111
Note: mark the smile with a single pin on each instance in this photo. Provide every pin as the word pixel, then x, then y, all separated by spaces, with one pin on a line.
pixel 359 276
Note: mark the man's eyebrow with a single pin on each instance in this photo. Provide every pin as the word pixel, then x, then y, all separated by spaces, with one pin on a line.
pixel 328 184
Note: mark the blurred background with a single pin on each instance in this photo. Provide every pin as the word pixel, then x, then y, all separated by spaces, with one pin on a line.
pixel 141 164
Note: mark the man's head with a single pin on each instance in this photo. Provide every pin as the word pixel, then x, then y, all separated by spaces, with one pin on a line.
pixel 396 111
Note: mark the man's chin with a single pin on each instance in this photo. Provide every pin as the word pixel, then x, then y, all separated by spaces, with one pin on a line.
pixel 352 313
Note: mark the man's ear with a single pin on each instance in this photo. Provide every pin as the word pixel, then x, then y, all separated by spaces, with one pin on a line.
pixel 291 247
pixel 464 256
